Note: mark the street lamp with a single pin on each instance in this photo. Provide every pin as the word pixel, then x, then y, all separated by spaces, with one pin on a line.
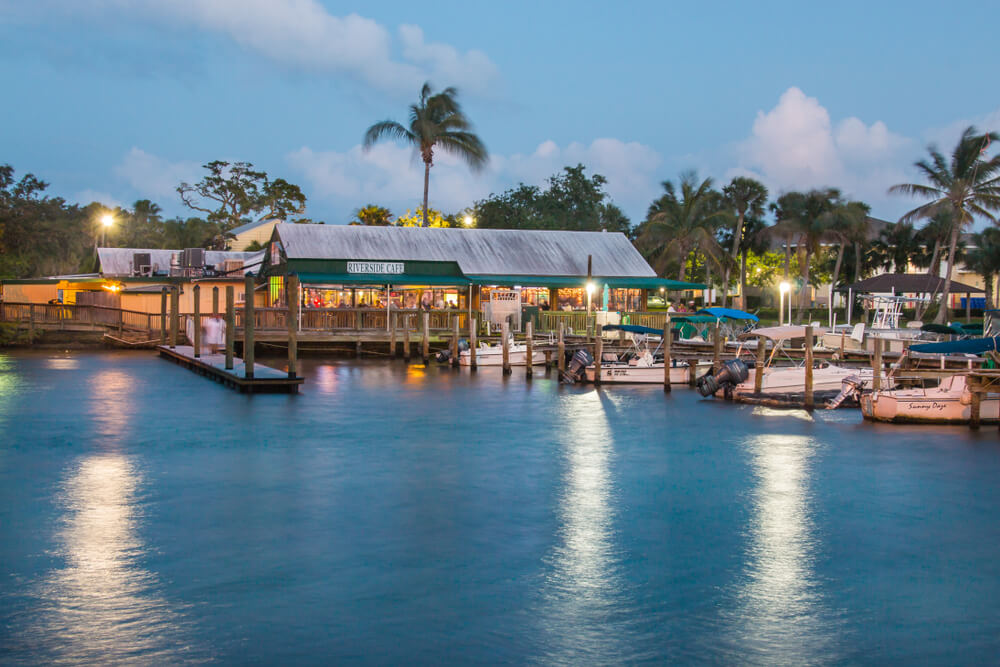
pixel 106 222
pixel 784 288
pixel 591 287
pixel 467 220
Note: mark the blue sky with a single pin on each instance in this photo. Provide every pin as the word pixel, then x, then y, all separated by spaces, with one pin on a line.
pixel 117 100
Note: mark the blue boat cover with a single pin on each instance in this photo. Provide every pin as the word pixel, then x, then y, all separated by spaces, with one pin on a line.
pixel 632 328
pixel 730 313
pixel 969 346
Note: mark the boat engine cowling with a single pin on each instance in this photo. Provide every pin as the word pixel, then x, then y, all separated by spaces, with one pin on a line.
pixel 732 373
pixel 579 361
pixel 850 387
pixel 443 356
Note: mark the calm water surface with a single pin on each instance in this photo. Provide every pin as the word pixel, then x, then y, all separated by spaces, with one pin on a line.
pixel 394 515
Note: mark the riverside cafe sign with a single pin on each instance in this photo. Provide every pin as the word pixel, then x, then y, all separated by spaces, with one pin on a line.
pixel 385 268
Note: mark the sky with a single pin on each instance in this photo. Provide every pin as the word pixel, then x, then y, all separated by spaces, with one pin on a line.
pixel 120 100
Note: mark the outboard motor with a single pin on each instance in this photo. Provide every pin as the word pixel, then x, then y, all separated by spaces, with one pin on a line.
pixel 574 371
pixel 731 374
pixel 463 345
pixel 850 387
pixel 443 356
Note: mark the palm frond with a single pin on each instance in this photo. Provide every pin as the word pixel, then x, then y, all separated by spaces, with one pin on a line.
pixel 387 129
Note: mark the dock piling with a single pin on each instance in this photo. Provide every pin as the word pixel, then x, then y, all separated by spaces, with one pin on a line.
pixel 163 316
pixel 425 343
pixel 248 325
pixel 196 291
pixel 393 323
pixel 975 405
pixel 666 355
pixel 175 317
pixel 808 398
pixel 598 352
pixel 230 326
pixel 530 344
pixel 716 348
pixel 292 296
pixel 877 364
pixel 454 341
pixel 505 346
pixel 473 331
pixel 692 372
pixel 758 376
pixel 406 338
pixel 561 348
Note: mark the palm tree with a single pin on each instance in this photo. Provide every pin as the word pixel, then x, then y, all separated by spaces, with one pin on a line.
pixel 897 245
pixel 807 216
pixel 745 195
pixel 935 234
pixel 436 120
pixel 966 185
pixel 848 223
pixel 984 259
pixel 678 223
pixel 373 216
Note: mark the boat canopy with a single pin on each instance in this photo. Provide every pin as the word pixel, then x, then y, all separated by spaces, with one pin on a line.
pixel 969 346
pixel 728 313
pixel 633 328
pixel 931 327
pixel 693 319
pixel 778 333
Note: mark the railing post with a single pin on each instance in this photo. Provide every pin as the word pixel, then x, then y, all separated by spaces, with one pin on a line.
pixel 215 300
pixel 292 297
pixel 248 325
pixel 196 290
pixel 230 326
pixel 163 316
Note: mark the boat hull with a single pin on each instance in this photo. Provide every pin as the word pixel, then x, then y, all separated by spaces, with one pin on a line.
pixel 950 404
pixel 623 374
pixel 494 357
pixel 793 380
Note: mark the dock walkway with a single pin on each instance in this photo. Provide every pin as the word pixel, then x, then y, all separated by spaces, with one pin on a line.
pixel 265 379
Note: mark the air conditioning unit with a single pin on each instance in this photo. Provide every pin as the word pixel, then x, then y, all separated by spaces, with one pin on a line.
pixel 232 267
pixel 142 264
pixel 193 258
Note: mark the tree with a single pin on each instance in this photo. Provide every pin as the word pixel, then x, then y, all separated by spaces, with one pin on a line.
pixel 966 185
pixel 678 223
pixel 435 120
pixel 935 235
pixel 984 259
pixel 234 193
pixel 848 225
pixel 372 216
pixel 897 245
pixel 431 218
pixel 808 217
pixel 745 196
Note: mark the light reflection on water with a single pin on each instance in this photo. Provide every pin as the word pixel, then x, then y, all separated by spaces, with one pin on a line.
pixel 583 588
pixel 112 400
pixel 102 605
pixel 780 616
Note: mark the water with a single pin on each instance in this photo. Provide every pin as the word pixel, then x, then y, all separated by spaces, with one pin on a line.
pixel 386 515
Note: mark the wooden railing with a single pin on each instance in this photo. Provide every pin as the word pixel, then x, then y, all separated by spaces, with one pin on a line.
pixel 63 316
pixel 357 319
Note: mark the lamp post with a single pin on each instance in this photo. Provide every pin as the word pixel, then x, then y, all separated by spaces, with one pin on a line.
pixel 590 294
pixel 467 220
pixel 784 288
pixel 106 222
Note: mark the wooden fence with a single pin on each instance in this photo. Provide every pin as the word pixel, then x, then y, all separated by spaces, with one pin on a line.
pixel 73 316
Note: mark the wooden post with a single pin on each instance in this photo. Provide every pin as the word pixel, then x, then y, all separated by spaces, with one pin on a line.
pixel 758 375
pixel 175 317
pixel 393 322
pixel 230 326
pixel 31 324
pixel 809 368
pixel 406 338
pixel 975 389
pixel 716 348
pixel 215 300
pixel 530 343
pixel 843 340
pixel 876 363
pixel 473 331
pixel 197 321
pixel 505 346
pixel 561 348
pixel 667 362
pixel 292 297
pixel 692 372
pixel 163 316
pixel 248 326
pixel 598 351
pixel 425 344
pixel 454 341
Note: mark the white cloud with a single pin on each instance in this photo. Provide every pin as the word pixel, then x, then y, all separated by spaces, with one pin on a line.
pixel 389 175
pixel 796 145
pixel 153 177
pixel 303 34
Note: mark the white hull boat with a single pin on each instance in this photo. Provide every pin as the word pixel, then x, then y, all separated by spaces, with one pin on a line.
pixel 792 380
pixel 623 373
pixel 492 355
pixel 948 403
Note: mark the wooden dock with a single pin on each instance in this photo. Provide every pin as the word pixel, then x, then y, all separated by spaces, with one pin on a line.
pixel 265 380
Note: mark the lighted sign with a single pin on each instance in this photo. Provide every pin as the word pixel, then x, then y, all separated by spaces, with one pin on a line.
pixel 375 267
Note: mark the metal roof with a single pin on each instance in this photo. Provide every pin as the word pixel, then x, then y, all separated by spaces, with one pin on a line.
pixel 250 225
pixel 118 261
pixel 477 251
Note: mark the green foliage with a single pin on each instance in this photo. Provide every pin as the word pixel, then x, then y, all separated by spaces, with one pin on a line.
pixel 10 334
pixel 233 194
pixel 572 201
pixel 373 216
pixel 436 120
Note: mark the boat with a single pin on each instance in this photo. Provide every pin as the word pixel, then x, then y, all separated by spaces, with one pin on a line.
pixel 492 355
pixel 948 403
pixel 792 379
pixel 639 364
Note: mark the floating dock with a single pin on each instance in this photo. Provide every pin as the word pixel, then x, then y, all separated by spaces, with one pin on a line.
pixel 265 380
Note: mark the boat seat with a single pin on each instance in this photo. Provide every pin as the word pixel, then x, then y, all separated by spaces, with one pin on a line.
pixel 858 333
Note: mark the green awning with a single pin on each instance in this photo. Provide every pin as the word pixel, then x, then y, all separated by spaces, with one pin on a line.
pixel 381 279
pixel 581 281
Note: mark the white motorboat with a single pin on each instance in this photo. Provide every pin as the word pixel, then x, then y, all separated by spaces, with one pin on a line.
pixel 642 369
pixel 948 403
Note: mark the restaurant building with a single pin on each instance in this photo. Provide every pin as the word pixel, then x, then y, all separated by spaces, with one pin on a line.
pixel 487 270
